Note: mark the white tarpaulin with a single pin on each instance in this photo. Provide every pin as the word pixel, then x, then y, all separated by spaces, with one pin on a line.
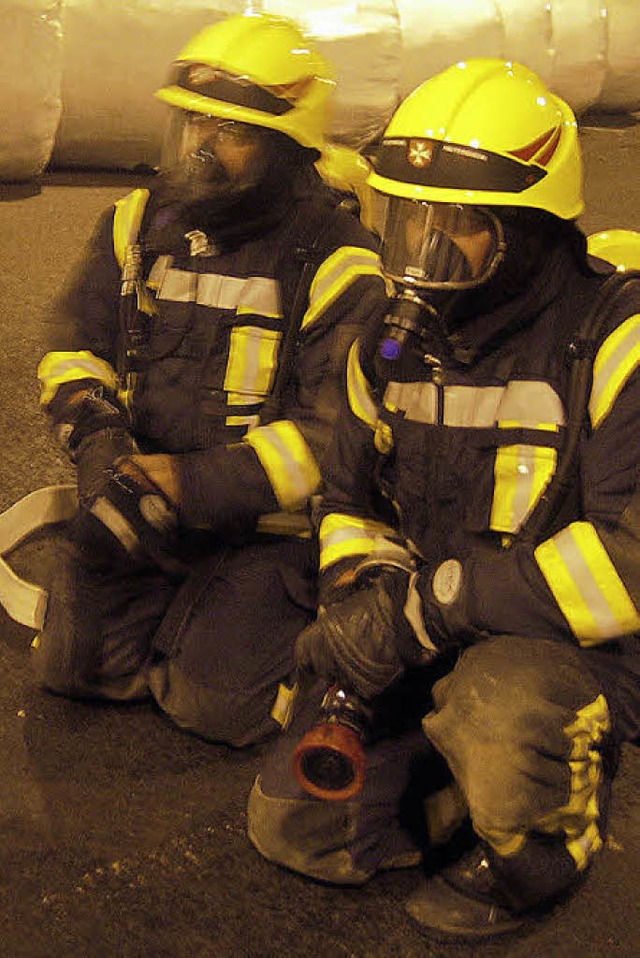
pixel 77 76
pixel 30 77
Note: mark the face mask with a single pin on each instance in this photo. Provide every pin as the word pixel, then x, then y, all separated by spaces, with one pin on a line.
pixel 438 246
pixel 211 158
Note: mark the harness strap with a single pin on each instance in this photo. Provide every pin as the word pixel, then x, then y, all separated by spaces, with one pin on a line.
pixel 582 353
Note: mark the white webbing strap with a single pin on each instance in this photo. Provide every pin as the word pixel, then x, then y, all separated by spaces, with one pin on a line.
pixel 25 602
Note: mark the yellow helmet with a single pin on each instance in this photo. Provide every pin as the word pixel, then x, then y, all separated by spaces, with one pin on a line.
pixel 257 69
pixel 485 132
pixel 347 170
pixel 619 247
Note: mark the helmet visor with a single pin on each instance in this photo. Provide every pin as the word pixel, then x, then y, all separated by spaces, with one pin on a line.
pixel 209 149
pixel 437 245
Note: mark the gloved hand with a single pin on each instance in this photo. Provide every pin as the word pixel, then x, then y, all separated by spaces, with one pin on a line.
pixel 80 410
pixel 131 512
pixel 364 641
pixel 91 425
pixel 94 459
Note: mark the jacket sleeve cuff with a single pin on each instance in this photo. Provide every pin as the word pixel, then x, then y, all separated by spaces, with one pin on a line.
pixel 224 489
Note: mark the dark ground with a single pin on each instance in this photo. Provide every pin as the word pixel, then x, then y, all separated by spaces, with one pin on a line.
pixel 122 837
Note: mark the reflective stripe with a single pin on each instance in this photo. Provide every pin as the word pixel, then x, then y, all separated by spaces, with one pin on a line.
pixel 586 585
pixel 470 407
pixel 244 399
pixel 57 368
pixel 127 220
pixel 344 536
pixel 359 393
pixel 253 294
pixel 617 358
pixel 158 271
pixel 249 421
pixel 578 819
pixel 119 525
pixel 178 286
pixel 529 405
pixel 288 462
pixel 521 474
pixel 285 524
pixel 419 401
pixel 532 405
pixel 252 359
pixel 336 273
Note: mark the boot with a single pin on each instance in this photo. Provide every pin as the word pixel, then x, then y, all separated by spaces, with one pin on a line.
pixel 464 900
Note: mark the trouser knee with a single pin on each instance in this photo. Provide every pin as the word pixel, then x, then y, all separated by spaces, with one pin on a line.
pixel 308 836
pixel 523 727
pixel 236 716
pixel 345 841
pixel 97 629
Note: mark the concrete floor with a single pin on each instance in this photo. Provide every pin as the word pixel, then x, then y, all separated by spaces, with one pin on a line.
pixel 121 836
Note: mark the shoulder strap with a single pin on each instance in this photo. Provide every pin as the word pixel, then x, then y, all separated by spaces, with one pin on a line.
pixel 582 351
pixel 304 259
pixel 127 220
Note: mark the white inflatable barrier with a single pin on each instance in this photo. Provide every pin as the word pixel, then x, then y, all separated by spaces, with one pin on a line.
pixel 30 80
pixel 77 76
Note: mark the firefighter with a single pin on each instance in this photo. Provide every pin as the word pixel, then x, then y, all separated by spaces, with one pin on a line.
pixel 479 563
pixel 191 380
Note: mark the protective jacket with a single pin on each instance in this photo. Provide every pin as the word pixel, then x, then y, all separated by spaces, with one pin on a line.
pixel 444 452
pixel 205 337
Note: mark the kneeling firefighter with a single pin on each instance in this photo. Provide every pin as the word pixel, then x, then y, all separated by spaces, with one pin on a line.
pixel 192 381
pixel 480 576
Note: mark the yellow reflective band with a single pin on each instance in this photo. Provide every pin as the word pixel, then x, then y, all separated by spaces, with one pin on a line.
pixel 578 818
pixel 344 536
pixel 244 399
pixel 521 475
pixel 288 462
pixel 249 421
pixel 586 585
pixel 334 276
pixel 252 360
pixel 283 707
pixel 616 360
pixel 359 393
pixel 57 368
pixel 127 219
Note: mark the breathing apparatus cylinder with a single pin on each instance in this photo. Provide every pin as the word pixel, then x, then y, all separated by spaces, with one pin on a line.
pixel 329 761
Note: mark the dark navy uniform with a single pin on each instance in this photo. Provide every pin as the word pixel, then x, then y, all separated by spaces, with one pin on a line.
pixel 209 331
pixel 443 455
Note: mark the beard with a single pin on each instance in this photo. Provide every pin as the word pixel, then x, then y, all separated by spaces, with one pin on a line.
pixel 197 193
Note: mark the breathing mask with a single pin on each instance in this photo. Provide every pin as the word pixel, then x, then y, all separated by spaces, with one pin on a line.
pixel 211 157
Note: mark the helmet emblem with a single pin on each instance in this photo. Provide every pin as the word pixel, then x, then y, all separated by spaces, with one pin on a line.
pixel 540 150
pixel 420 153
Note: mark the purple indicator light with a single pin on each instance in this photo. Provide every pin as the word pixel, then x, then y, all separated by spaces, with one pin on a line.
pixel 390 348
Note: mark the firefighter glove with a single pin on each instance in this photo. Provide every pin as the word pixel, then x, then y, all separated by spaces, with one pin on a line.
pixel 82 410
pixel 364 641
pixel 133 513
